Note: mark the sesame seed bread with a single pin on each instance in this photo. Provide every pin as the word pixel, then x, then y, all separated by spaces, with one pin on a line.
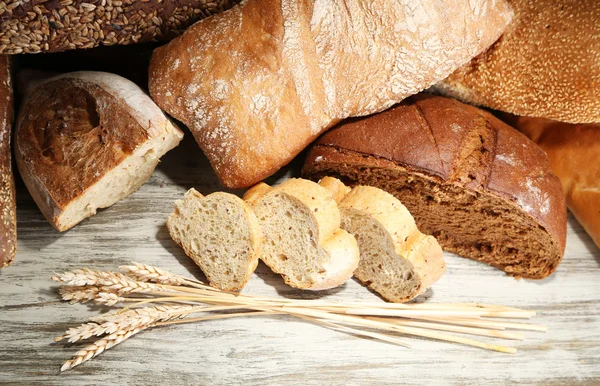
pixel 396 260
pixel 545 64
pixel 574 153
pixel 481 188
pixel 85 140
pixel 8 220
pixel 257 83
pixel 302 238
pixel 53 26
pixel 221 234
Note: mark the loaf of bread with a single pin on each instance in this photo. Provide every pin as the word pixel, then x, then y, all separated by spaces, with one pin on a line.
pixel 545 64
pixel 257 83
pixel 302 238
pixel 574 153
pixel 85 140
pixel 396 260
pixel 221 234
pixel 8 221
pixel 480 187
pixel 50 26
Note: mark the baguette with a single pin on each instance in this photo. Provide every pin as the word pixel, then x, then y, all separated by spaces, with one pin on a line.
pixel 574 153
pixel 257 83
pixel 85 140
pixel 396 260
pixel 302 238
pixel 8 220
pixel 221 234
pixel 481 188
pixel 545 64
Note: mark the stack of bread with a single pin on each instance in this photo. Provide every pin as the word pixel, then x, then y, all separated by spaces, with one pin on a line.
pixel 258 83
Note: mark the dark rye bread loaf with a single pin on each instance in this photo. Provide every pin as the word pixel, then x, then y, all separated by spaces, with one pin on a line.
pixel 483 189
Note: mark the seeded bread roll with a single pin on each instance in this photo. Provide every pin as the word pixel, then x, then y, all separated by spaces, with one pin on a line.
pixel 221 234
pixel 545 64
pixel 396 260
pixel 259 82
pixel 85 140
pixel 480 187
pixel 8 221
pixel 574 153
pixel 57 25
pixel 302 238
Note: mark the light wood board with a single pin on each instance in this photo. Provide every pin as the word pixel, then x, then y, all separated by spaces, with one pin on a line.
pixel 275 350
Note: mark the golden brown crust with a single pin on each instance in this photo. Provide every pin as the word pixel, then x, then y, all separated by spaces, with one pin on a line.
pixel 574 153
pixel 8 221
pixel 68 137
pixel 259 82
pixel 545 64
pixel 454 144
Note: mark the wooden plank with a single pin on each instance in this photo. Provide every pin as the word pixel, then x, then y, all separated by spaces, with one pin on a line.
pixel 275 350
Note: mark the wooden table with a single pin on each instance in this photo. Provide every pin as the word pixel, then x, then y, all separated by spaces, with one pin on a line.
pixel 275 350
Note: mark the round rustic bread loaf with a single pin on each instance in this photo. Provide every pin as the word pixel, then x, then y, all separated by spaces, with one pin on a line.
pixel 58 25
pixel 483 189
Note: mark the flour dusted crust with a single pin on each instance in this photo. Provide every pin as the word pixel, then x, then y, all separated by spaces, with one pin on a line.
pixel 259 82
pixel 85 140
pixel 8 221
pixel 545 65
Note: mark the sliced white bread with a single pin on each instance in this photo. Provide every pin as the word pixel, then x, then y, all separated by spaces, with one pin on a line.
pixel 396 260
pixel 220 233
pixel 302 238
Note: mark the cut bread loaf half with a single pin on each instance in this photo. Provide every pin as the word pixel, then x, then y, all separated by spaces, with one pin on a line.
pixel 396 260
pixel 221 234
pixel 483 189
pixel 85 140
pixel 302 238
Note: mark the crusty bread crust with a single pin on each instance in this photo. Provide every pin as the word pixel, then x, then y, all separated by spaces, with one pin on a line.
pixel 444 143
pixel 257 83
pixel 574 153
pixel 8 220
pixel 77 132
pixel 545 64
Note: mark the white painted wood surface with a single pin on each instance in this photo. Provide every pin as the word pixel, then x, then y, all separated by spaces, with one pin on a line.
pixel 275 350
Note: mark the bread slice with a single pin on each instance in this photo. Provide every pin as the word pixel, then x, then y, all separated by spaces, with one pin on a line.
pixel 85 140
pixel 220 233
pixel 302 238
pixel 480 187
pixel 396 260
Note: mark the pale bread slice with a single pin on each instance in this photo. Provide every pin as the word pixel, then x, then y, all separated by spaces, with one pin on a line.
pixel 302 238
pixel 396 260
pixel 220 233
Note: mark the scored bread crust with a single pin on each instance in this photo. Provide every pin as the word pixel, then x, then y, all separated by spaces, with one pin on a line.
pixel 8 216
pixel 232 269
pixel 545 64
pixel 257 83
pixel 84 140
pixel 419 255
pixel 313 204
pixel 431 151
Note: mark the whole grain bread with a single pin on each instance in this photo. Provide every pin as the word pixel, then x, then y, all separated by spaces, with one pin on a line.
pixel 221 234
pixel 85 140
pixel 545 64
pixel 257 83
pixel 8 220
pixel 52 25
pixel 302 238
pixel 483 189
pixel 574 153
pixel 396 260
